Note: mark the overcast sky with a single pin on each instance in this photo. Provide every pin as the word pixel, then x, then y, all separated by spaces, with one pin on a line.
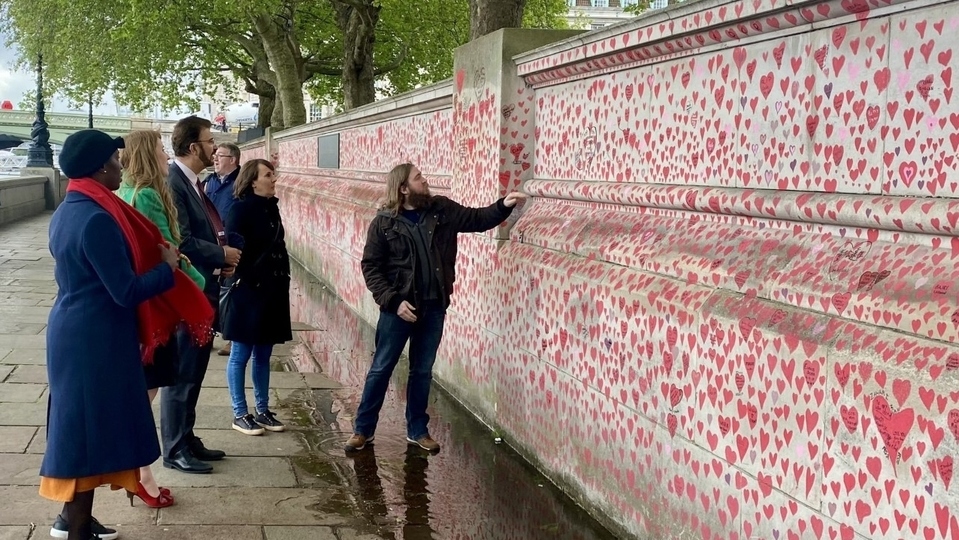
pixel 13 84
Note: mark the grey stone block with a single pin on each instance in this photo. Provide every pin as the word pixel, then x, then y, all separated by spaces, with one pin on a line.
pixel 21 393
pixel 16 439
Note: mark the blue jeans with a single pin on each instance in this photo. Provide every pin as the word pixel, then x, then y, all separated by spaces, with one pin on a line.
pixel 392 333
pixel 236 376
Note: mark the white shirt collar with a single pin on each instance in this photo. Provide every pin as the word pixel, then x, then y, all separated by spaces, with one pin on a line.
pixel 190 175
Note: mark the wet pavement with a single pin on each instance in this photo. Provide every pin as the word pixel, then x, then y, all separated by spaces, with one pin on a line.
pixel 473 488
pixel 295 485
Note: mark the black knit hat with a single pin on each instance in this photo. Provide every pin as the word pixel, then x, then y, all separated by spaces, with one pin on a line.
pixel 86 151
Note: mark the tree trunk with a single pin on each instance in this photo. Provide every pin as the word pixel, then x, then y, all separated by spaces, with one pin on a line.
pixel 490 15
pixel 287 65
pixel 264 117
pixel 357 20
pixel 267 95
pixel 276 116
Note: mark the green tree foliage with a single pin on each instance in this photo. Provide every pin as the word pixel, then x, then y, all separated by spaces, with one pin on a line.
pixel 29 101
pixel 639 7
pixel 171 53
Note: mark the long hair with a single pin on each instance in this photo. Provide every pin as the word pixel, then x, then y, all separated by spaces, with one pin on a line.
pixel 396 179
pixel 141 169
pixel 248 174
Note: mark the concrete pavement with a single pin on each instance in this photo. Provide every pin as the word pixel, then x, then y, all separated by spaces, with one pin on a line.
pixel 295 485
pixel 258 492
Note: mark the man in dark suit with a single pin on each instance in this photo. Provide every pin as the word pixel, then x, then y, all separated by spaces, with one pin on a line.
pixel 204 243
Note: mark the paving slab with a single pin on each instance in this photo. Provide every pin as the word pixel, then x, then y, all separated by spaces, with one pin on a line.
pixel 217 396
pixel 16 439
pixel 21 393
pixel 20 469
pixel 21 328
pixel 15 532
pixel 26 356
pixel 217 379
pixel 34 295
pixel 31 274
pixel 280 486
pixel 17 301
pixel 192 532
pixel 5 289
pixel 39 443
pixel 234 443
pixel 23 414
pixel 267 472
pixel 26 373
pixel 266 506
pixel 33 316
pixel 35 283
pixel 301 533
pixel 22 342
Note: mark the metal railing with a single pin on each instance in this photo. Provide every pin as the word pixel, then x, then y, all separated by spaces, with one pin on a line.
pixel 11 164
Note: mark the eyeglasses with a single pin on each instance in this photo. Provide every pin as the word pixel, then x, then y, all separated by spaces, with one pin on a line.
pixel 222 156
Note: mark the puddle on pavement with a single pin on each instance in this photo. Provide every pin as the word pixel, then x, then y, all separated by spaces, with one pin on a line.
pixel 473 488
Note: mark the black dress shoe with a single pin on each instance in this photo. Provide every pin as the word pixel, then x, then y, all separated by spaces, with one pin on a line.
pixel 203 453
pixel 184 461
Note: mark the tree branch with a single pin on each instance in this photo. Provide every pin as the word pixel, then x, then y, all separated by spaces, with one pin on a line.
pixel 397 62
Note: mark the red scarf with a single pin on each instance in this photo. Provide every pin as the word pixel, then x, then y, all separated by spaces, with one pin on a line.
pixel 159 316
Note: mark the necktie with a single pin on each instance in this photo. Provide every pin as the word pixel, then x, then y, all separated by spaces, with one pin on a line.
pixel 212 215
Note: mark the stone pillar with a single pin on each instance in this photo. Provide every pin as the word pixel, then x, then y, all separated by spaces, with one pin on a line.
pixel 493 137
pixel 494 115
pixel 56 186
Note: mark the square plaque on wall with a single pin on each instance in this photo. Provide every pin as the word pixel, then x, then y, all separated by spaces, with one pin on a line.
pixel 328 151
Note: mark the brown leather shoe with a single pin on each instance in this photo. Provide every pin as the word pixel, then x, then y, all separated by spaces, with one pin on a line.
pixel 357 442
pixel 426 443
pixel 225 351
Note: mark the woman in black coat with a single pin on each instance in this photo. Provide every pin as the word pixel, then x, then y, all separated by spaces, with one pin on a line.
pixel 255 314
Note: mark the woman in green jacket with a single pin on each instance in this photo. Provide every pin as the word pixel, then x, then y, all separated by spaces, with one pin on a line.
pixel 145 167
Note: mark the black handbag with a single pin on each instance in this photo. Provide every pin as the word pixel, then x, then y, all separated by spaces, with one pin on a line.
pixel 226 299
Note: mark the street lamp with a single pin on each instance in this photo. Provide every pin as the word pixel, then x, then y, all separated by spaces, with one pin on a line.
pixel 40 154
pixel 90 111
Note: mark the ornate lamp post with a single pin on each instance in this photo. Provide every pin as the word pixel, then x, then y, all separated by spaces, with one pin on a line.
pixel 40 154
pixel 90 111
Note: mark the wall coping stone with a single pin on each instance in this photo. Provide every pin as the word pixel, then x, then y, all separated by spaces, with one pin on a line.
pixel 431 98
pixel 693 27
pixel 14 182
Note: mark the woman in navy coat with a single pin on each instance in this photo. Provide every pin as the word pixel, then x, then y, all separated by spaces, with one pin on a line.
pixel 100 428
pixel 260 314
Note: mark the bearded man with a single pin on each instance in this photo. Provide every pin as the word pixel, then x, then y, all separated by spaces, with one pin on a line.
pixel 409 266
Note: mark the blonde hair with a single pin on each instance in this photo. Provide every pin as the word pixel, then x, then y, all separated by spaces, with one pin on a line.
pixel 141 169
pixel 396 179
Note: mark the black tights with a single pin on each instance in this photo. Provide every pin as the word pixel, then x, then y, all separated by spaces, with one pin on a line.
pixel 78 514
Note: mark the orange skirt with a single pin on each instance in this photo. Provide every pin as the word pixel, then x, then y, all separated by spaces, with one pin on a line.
pixel 64 489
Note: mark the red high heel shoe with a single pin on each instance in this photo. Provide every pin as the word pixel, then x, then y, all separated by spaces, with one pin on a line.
pixel 162 500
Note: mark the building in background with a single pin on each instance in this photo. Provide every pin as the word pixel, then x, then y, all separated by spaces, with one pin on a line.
pixel 594 14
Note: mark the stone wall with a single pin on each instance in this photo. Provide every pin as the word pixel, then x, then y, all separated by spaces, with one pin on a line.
pixel 730 310
pixel 21 197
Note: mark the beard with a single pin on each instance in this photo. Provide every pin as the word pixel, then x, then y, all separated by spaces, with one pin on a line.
pixel 419 201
